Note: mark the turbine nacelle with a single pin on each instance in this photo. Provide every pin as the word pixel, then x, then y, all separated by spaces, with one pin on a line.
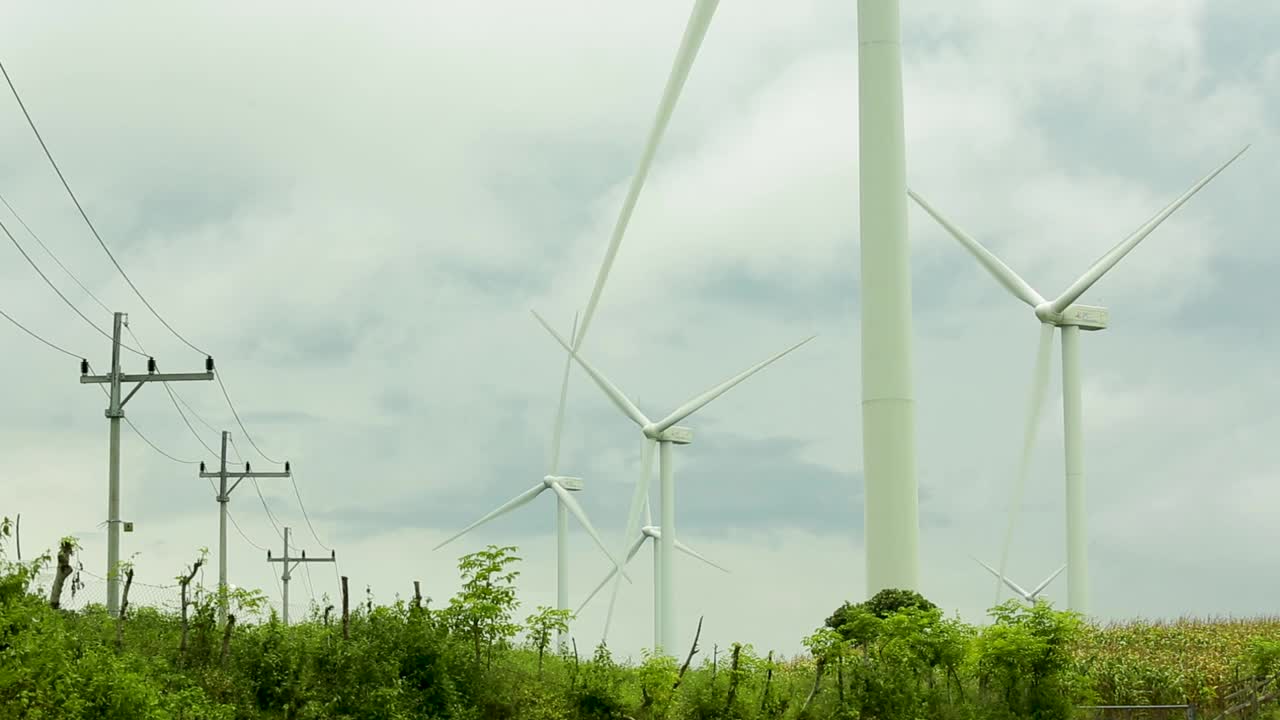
pixel 1085 317
pixel 568 483
pixel 651 531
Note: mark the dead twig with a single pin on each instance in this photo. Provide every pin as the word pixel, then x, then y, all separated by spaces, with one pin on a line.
pixel 693 650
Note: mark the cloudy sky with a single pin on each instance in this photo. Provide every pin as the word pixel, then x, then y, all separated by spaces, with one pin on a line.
pixel 355 211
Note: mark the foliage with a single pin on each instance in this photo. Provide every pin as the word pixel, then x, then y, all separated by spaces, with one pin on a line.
pixel 895 658
pixel 542 625
pixel 484 607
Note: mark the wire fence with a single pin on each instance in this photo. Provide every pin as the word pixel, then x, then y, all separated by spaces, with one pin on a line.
pixel 92 590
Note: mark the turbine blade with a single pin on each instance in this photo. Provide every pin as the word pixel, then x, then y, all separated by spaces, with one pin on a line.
pixel 700 401
pixel 1115 254
pixel 694 554
pixel 1048 580
pixel 564 393
pixel 648 515
pixel 1018 589
pixel 633 518
pixel 990 569
pixel 631 552
pixel 695 31
pixel 571 503
pixel 1039 388
pixel 1001 272
pixel 619 399
pixel 1012 585
pixel 521 499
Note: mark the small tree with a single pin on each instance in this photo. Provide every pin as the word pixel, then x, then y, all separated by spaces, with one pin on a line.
pixel 483 608
pixel 1026 655
pixel 543 625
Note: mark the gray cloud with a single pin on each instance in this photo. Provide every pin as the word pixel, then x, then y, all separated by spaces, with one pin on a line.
pixel 358 237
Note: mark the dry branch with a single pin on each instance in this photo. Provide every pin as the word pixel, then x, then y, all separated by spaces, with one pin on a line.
pixel 693 650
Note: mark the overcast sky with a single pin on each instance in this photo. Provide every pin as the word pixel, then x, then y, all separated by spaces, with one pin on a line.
pixel 354 212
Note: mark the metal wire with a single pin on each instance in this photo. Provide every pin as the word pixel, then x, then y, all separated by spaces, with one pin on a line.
pixel 83 214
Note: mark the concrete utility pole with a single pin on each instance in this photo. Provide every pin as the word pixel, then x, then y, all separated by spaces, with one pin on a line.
pixel 888 402
pixel 115 412
pixel 224 496
pixel 289 564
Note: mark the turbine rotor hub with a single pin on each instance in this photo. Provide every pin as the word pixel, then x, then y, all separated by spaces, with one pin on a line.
pixel 568 483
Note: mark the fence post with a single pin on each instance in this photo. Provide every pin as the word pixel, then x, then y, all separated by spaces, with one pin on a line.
pixel 1191 711
pixel 346 615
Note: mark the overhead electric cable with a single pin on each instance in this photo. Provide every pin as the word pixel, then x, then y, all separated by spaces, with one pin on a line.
pixel 30 332
pixel 239 422
pixel 305 516
pixel 49 252
pixel 31 122
pixel 236 525
pixel 53 287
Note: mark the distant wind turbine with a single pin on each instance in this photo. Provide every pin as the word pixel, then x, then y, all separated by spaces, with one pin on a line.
pixel 649 531
pixel 565 504
pixel 1029 596
pixel 1052 314
pixel 663 433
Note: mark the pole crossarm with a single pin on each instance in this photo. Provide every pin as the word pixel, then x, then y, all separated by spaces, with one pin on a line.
pixel 149 377
pixel 333 557
pixel 288 564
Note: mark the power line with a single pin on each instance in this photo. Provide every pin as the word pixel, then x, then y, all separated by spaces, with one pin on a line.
pixel 305 516
pixel 246 537
pixel 146 439
pixel 24 329
pixel 178 395
pixel 173 398
pixel 270 516
pixel 53 287
pixel 310 588
pixel 44 247
pixel 247 436
pixel 186 421
pixel 85 215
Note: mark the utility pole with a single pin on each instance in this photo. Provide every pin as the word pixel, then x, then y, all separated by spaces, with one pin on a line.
pixel 289 564
pixel 224 497
pixel 115 412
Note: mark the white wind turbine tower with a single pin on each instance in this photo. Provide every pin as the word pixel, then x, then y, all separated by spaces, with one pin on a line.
pixel 1062 313
pixel 663 433
pixel 648 532
pixel 1029 595
pixel 565 504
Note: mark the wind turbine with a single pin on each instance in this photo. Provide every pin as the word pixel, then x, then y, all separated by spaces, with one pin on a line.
pixel 1029 596
pixel 565 503
pixel 1052 314
pixel 664 433
pixel 649 531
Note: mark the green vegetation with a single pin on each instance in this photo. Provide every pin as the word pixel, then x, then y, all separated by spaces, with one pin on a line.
pixel 894 656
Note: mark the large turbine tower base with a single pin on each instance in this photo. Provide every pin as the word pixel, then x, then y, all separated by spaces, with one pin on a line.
pixel 888 403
